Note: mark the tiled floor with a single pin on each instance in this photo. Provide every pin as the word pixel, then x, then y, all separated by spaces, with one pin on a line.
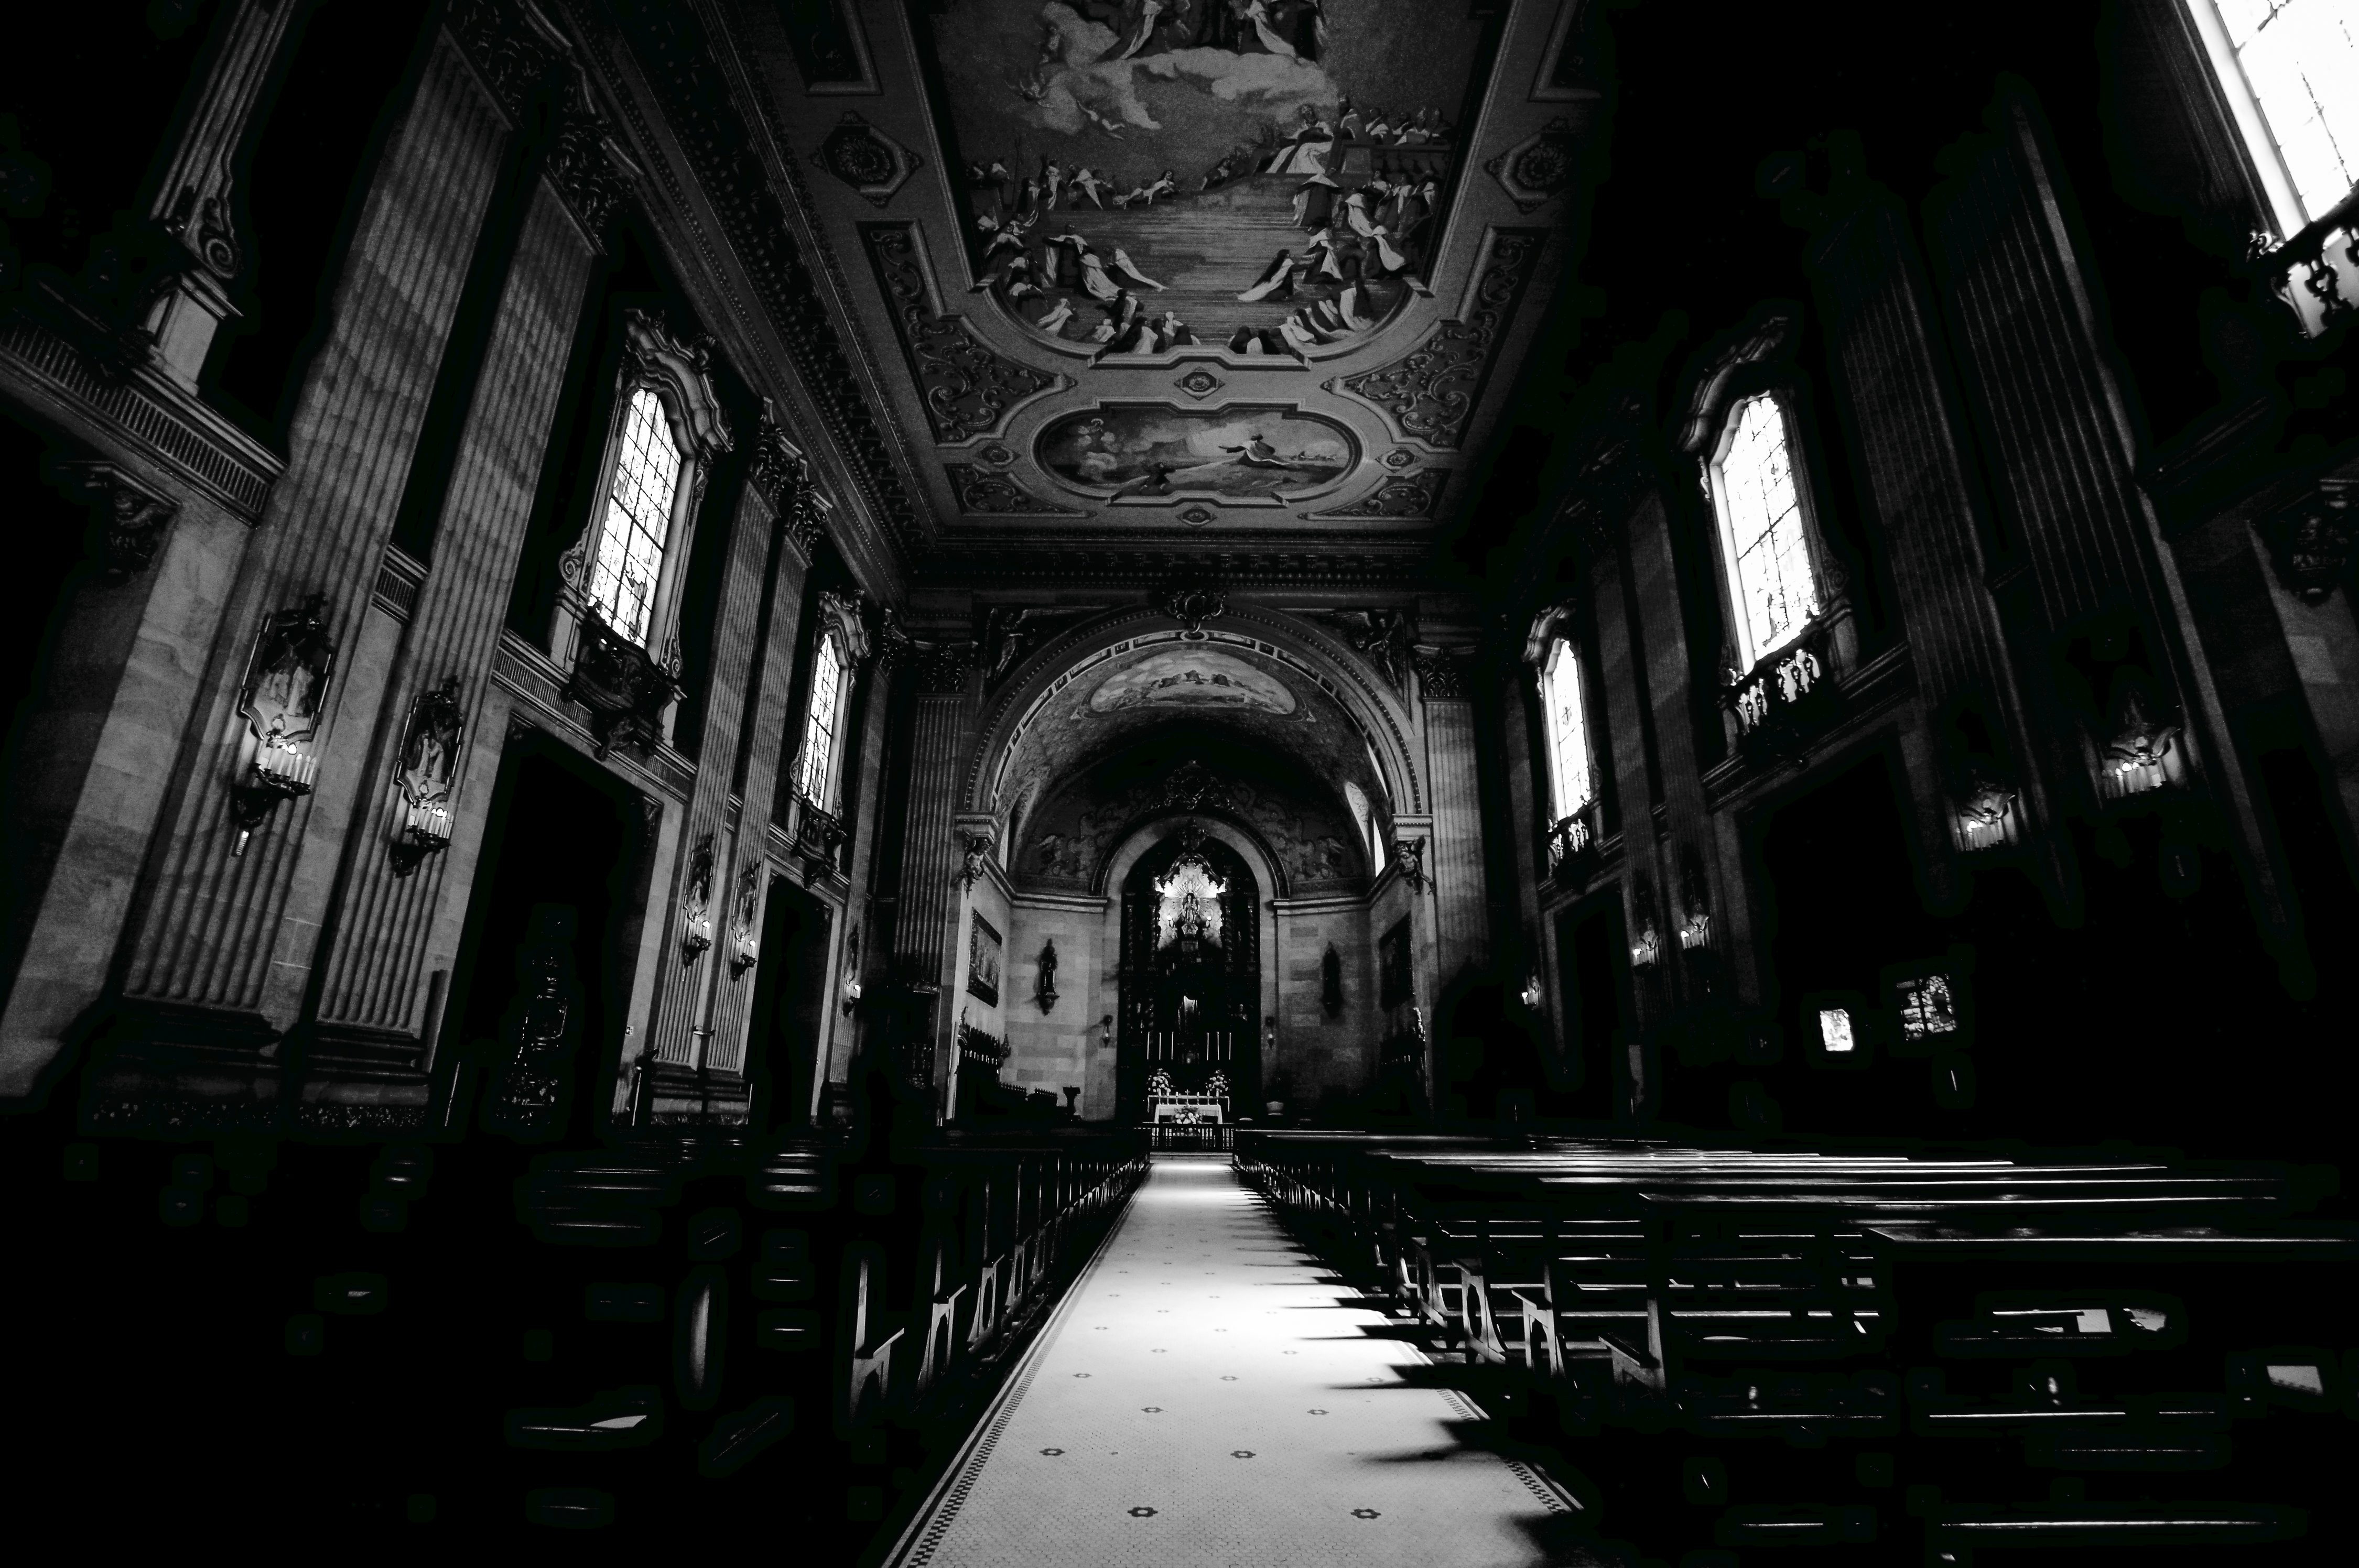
pixel 1202 1397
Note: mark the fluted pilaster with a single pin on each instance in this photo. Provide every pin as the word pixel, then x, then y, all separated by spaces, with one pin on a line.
pixel 216 925
pixel 375 968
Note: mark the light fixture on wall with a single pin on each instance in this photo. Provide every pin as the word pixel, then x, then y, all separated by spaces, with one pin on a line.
pixel 745 939
pixel 696 922
pixel 1983 805
pixel 850 971
pixel 1531 992
pixel 1106 1032
pixel 282 700
pixel 1647 947
pixel 425 772
pixel 2135 755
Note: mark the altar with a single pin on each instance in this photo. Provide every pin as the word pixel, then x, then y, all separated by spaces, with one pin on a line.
pixel 1188 1109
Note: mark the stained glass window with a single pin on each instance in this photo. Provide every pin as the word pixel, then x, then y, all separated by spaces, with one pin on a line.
pixel 828 685
pixel 1189 904
pixel 1835 1029
pixel 638 518
pixel 1568 729
pixel 1761 523
pixel 2301 60
pixel 1926 1008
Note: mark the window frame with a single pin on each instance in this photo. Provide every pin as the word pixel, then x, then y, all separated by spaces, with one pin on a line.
pixel 829 654
pixel 838 626
pixel 1783 398
pixel 1563 649
pixel 2280 200
pixel 626 404
pixel 675 372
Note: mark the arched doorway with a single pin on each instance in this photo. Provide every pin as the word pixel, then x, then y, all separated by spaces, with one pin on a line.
pixel 1190 971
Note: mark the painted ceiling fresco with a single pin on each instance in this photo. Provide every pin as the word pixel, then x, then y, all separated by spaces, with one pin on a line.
pixel 1263 452
pixel 1144 174
pixel 1158 277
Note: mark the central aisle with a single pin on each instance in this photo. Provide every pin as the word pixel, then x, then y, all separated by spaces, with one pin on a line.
pixel 1203 1397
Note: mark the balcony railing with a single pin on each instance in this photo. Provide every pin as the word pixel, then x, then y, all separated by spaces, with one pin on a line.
pixel 625 689
pixel 2316 273
pixel 818 836
pixel 1572 845
pixel 1788 698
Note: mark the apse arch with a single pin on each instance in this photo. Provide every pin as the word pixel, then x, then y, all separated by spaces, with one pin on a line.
pixel 1013 731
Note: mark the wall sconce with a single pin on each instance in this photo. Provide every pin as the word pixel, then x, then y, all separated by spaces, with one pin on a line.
pixel 284 691
pixel 1106 1032
pixel 1531 993
pixel 1982 811
pixel 1695 899
pixel 850 971
pixel 1269 1033
pixel 745 941
pixel 427 767
pixel 1044 991
pixel 696 925
pixel 1645 949
pixel 2134 757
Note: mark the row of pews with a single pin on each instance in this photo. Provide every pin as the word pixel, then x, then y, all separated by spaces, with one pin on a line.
pixel 842 1319
pixel 1756 1351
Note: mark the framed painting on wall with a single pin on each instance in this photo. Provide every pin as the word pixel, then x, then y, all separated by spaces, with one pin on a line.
pixel 982 961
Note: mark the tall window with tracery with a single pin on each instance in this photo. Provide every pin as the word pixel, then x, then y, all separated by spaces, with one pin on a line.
pixel 2290 70
pixel 828 686
pixel 1763 533
pixel 1568 729
pixel 639 519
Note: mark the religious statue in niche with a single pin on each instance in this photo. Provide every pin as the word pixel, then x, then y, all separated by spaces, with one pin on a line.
pixel 1045 993
pixel 983 949
pixel 287 684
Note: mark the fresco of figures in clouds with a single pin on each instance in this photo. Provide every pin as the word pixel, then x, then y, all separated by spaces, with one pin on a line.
pixel 1171 452
pixel 1144 175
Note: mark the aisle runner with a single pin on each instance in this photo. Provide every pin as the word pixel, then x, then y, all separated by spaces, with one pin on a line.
pixel 1201 1397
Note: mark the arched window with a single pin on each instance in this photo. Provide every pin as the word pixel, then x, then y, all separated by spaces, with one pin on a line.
pixel 1571 783
pixel 1756 493
pixel 830 683
pixel 637 522
pixel 2289 71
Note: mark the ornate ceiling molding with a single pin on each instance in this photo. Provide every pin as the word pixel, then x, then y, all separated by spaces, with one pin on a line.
pixel 1409 495
pixel 671 49
pixel 1539 169
pixel 1429 393
pixel 866 160
pixel 985 493
pixel 967 388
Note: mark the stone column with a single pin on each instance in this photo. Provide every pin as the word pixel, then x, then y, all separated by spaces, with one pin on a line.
pixel 781 487
pixel 922 956
pixel 230 934
pixel 1455 860
pixel 373 982
pixel 871 964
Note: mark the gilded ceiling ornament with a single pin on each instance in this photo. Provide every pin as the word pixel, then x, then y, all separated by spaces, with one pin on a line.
pixel 1403 495
pixel 1191 606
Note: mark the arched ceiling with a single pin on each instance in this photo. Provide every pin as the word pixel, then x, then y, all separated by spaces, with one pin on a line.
pixel 1237 694
pixel 1322 426
pixel 1195 767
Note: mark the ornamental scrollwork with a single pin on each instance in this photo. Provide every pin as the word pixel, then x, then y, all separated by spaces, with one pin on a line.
pixel 984 494
pixel 966 388
pixel 1431 392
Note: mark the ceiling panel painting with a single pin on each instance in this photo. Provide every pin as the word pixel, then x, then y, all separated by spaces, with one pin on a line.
pixel 1266 176
pixel 1232 454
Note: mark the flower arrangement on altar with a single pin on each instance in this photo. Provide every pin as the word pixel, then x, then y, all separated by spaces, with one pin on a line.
pixel 1217 1086
pixel 1159 1083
